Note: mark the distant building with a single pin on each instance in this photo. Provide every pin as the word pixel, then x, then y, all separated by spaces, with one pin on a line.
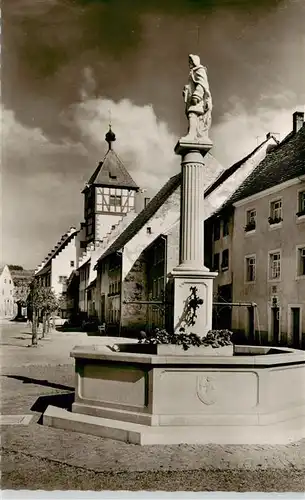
pixel 7 306
pixel 22 279
pixel 59 264
pixel 258 246
pixel 109 196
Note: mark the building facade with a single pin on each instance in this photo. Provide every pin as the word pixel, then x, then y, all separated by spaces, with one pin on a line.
pixel 7 302
pixel 259 247
pixel 58 266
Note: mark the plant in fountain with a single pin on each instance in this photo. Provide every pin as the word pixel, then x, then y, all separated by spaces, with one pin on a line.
pixel 214 338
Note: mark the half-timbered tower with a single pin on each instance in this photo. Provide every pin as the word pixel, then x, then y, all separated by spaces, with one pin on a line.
pixel 109 194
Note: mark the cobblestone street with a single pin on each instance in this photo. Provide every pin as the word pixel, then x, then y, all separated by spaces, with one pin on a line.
pixel 34 456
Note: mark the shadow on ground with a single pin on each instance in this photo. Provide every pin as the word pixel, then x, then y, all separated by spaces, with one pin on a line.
pixel 46 383
pixel 60 400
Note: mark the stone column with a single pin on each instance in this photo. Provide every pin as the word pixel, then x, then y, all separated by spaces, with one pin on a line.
pixel 191 271
pixel 191 211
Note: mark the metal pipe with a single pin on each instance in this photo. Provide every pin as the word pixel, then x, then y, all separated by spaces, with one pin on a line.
pixel 240 304
pixel 143 302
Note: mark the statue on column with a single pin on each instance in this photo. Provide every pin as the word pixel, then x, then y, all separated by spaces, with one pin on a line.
pixel 198 102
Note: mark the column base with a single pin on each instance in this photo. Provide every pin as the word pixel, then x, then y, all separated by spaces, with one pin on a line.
pixel 184 278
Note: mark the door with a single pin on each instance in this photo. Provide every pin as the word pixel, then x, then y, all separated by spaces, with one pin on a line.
pixel 295 326
pixel 251 335
pixel 103 309
pixel 275 322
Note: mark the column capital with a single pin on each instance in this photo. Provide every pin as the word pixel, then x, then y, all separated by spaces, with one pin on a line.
pixel 183 148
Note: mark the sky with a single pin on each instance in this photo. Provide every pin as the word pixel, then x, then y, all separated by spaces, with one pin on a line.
pixel 70 65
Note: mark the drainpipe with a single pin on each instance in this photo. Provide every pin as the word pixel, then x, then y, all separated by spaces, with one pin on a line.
pixel 121 293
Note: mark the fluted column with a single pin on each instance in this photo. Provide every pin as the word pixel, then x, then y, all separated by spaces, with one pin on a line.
pixel 191 220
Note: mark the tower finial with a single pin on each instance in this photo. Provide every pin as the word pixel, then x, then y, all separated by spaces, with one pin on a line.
pixel 110 137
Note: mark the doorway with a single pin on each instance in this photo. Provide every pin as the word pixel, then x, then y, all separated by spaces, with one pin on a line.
pixel 275 324
pixel 295 325
pixel 251 328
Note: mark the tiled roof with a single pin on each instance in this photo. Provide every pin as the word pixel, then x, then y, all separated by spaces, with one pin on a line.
pixel 231 170
pixel 24 275
pixel 286 161
pixel 111 172
pixel 172 184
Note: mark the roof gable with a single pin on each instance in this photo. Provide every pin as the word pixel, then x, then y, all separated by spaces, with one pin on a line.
pixel 111 172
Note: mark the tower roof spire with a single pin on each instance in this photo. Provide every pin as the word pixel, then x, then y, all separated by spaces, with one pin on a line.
pixel 110 137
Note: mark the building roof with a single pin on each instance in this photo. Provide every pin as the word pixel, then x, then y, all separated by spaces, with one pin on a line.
pixel 233 168
pixel 143 217
pixel 111 171
pixel 65 240
pixel 284 162
pixel 22 275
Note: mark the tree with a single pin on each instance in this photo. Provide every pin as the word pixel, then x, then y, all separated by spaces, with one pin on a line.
pixel 21 292
pixel 41 301
pixel 14 267
pixel 50 304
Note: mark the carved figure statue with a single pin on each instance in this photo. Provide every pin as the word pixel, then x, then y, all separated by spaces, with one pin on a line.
pixel 198 102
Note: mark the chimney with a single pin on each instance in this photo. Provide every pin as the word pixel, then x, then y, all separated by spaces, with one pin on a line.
pixel 298 121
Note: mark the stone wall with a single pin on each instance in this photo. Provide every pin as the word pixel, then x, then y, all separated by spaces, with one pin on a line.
pixel 134 316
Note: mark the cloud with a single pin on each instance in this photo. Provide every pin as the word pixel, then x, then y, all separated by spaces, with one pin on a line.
pixel 43 178
pixel 240 131
pixel 145 144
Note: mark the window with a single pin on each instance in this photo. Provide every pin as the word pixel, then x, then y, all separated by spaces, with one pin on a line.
pixel 71 263
pixel 146 201
pixel 115 200
pixel 301 203
pixel 216 229
pixel 250 220
pixel 274 265
pixel 225 260
pixel 250 268
pixel 225 227
pixel 275 212
pixel 301 261
pixel 5 280
pixel 216 262
pixel 10 282
pixel 89 227
pixel 62 279
pixel 156 270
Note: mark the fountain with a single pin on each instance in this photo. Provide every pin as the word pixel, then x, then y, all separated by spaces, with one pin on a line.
pixel 159 393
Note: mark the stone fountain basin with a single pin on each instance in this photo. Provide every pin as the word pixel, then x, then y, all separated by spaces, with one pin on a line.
pixel 174 349
pixel 256 395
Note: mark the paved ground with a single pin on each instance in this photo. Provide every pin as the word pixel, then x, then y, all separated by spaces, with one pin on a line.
pixel 38 457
